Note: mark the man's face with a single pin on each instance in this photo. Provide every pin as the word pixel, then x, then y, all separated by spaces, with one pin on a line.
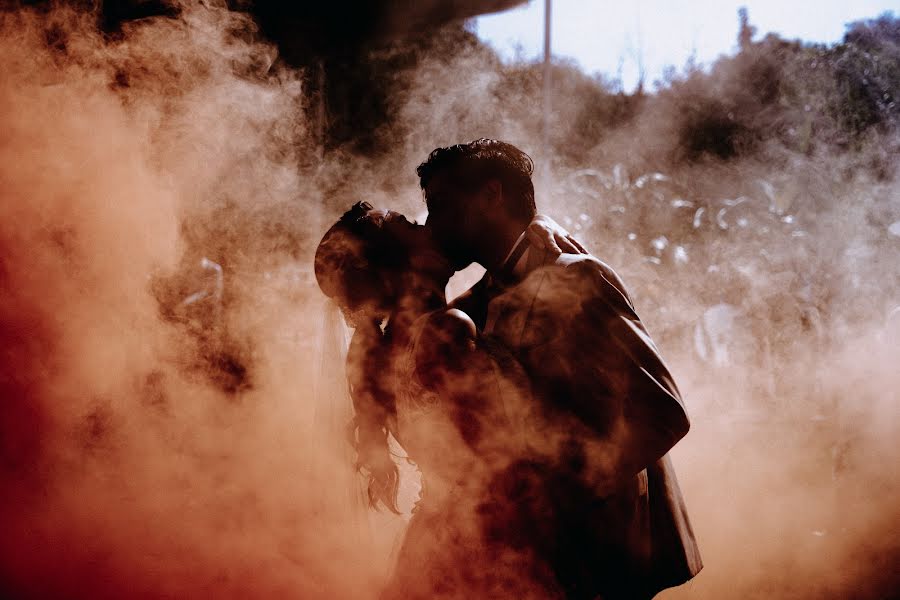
pixel 454 217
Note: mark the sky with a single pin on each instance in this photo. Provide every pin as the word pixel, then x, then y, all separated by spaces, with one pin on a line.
pixel 613 37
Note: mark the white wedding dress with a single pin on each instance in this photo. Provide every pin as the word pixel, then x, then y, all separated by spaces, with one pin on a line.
pixel 382 530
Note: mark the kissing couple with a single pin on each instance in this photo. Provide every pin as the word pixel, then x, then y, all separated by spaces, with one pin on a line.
pixel 535 405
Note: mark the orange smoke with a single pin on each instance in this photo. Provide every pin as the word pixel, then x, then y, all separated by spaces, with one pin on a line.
pixel 129 471
pixel 126 470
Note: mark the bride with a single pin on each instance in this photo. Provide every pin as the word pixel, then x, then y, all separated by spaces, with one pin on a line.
pixel 456 401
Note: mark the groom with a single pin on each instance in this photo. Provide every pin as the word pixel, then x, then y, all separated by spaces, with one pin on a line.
pixel 598 502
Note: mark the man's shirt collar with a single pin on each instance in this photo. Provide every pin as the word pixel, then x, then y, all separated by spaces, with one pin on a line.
pixel 514 266
pixel 516 246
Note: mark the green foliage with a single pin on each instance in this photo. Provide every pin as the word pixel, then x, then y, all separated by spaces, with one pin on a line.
pixel 774 98
pixel 584 109
pixel 867 76
pixel 803 97
pixel 800 95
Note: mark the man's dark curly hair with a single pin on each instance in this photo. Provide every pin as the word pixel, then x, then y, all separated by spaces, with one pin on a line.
pixel 479 160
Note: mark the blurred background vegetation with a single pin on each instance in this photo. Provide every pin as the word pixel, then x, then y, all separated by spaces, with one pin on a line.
pixel 765 182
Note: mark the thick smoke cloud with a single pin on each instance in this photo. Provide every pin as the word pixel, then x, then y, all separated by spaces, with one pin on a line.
pixel 129 468
pixel 151 450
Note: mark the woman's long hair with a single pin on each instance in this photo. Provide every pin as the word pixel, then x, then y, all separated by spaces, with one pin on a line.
pixel 351 261
pixel 374 409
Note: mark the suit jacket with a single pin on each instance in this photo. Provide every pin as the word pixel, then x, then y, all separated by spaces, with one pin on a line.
pixel 596 376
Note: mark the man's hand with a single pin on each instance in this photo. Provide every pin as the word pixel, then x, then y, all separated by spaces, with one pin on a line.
pixel 547 234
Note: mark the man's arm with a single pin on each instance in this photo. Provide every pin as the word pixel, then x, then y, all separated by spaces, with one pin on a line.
pixel 454 362
pixel 632 403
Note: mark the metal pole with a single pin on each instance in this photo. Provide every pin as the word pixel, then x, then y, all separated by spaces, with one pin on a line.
pixel 545 117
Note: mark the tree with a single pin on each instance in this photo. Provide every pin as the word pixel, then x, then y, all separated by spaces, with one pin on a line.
pixel 746 31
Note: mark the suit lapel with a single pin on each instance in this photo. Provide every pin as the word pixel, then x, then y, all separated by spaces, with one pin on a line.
pixel 508 309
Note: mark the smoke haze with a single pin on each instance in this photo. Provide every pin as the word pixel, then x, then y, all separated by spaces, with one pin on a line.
pixel 147 451
pixel 128 470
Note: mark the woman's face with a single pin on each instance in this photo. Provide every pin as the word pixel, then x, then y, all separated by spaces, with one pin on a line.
pixel 387 264
pixel 425 259
pixel 384 264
